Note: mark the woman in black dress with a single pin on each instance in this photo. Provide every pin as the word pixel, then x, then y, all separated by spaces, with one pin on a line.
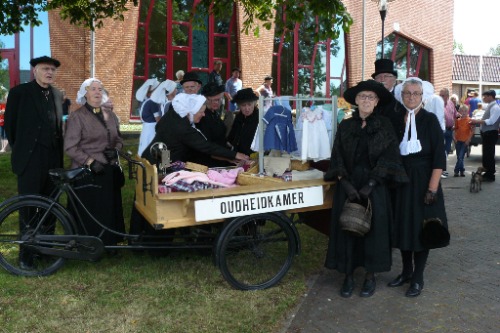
pixel 365 161
pixel 422 198
pixel 246 121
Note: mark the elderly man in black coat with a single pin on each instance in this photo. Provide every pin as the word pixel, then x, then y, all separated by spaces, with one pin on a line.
pixel 33 124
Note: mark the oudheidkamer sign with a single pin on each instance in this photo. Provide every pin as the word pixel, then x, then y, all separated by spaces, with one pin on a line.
pixel 255 203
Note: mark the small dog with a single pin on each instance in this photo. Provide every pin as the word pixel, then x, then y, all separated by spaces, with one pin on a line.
pixel 476 180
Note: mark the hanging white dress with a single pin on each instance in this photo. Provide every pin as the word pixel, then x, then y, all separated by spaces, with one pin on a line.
pixel 315 140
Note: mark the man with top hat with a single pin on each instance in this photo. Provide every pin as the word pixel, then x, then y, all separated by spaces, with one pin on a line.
pixel 33 123
pixel 385 74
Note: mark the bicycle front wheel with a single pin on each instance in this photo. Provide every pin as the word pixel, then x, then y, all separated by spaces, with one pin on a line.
pixel 255 252
pixel 19 225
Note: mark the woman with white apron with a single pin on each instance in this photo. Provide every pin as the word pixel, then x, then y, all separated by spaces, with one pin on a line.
pixel 152 110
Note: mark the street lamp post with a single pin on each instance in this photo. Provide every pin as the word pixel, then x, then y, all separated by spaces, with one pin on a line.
pixel 382 8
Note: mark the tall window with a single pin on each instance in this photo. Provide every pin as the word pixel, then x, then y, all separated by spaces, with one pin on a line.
pixel 167 42
pixel 410 58
pixel 304 67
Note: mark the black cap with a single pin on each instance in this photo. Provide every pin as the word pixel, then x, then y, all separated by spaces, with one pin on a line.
pixel 491 93
pixel 245 95
pixel 212 89
pixel 191 76
pixel 44 60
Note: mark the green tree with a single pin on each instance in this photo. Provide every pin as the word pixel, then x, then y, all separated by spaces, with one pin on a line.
pixel 495 51
pixel 458 48
pixel 332 14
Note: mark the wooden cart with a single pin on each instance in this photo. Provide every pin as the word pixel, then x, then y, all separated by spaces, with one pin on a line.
pixel 254 239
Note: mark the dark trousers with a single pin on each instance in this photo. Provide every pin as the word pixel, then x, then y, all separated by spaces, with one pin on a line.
pixel 35 180
pixel 489 139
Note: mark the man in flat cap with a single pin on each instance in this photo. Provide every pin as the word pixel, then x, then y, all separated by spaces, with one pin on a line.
pixel 490 123
pixel 33 123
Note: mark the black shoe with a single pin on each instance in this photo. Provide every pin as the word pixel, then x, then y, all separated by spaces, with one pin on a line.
pixel 399 280
pixel 414 290
pixel 455 174
pixel 488 178
pixel 462 174
pixel 347 287
pixel 368 287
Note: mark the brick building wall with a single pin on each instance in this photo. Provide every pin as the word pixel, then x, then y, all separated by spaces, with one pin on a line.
pixel 256 53
pixel 114 57
pixel 426 21
pixel 116 42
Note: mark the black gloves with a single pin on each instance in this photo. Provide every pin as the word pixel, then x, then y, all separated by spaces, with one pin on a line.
pixel 110 154
pixel 365 191
pixel 430 197
pixel 97 167
pixel 351 192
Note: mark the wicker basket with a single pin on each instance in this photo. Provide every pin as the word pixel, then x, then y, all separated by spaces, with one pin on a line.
pixel 356 218
pixel 299 166
pixel 245 178
pixel 253 169
pixel 196 167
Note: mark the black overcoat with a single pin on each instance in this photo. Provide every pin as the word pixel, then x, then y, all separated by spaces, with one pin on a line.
pixel 378 160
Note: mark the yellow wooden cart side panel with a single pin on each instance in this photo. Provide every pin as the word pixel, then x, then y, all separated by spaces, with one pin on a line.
pixel 175 210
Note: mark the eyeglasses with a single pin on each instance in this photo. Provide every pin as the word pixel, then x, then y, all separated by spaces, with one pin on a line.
pixel 412 94
pixel 384 76
pixel 366 97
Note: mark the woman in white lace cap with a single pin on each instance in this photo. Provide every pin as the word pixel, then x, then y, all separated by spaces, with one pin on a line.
pixel 152 110
pixel 92 139
pixel 422 198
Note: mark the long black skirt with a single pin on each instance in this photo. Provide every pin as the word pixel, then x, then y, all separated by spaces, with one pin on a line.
pixel 101 195
pixel 346 252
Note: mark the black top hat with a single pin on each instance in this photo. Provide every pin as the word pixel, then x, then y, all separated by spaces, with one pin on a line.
pixel 212 89
pixel 384 95
pixel 384 66
pixel 191 76
pixel 434 234
pixel 245 95
pixel 44 60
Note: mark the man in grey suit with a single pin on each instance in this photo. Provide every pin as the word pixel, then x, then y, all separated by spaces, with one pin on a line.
pixel 33 124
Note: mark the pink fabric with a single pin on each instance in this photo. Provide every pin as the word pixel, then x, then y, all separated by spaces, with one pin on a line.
pixel 190 177
pixel 224 176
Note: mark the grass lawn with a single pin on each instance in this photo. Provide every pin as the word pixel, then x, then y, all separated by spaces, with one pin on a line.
pixel 179 292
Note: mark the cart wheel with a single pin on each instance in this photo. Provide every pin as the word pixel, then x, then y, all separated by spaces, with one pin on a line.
pixel 44 218
pixel 255 252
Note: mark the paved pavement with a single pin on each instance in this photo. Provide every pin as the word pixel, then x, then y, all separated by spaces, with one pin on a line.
pixel 462 281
